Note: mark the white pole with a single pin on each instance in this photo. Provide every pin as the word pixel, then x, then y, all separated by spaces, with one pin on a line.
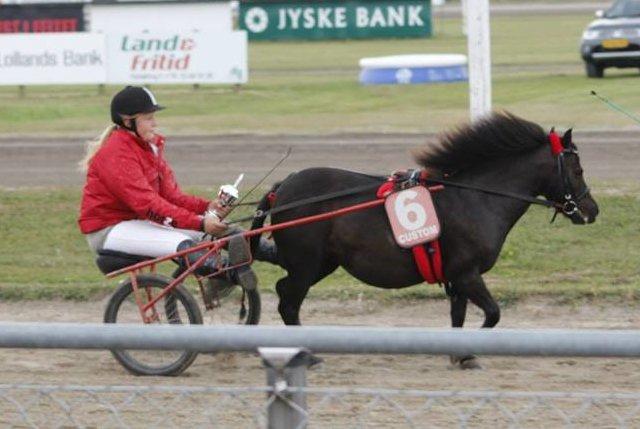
pixel 479 52
pixel 463 4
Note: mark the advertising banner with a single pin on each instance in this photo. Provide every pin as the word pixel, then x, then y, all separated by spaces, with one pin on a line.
pixel 159 16
pixel 177 57
pixel 351 19
pixel 52 58
pixel 41 18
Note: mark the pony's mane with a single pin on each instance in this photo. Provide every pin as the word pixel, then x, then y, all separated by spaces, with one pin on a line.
pixel 498 135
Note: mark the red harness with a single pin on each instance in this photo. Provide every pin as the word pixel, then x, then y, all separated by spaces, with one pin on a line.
pixel 428 256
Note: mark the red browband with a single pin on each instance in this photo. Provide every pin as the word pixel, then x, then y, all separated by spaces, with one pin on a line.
pixel 556 143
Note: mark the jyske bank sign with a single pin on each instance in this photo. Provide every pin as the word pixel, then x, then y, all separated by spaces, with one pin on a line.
pixel 327 20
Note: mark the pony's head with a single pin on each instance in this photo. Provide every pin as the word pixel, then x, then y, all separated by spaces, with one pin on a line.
pixel 569 190
pixel 497 141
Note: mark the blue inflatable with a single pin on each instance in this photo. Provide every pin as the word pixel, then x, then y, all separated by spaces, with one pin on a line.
pixel 411 69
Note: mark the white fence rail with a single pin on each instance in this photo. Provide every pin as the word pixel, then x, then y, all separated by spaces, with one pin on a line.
pixel 288 403
pixel 325 339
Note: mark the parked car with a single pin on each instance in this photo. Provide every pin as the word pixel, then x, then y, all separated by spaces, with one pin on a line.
pixel 612 40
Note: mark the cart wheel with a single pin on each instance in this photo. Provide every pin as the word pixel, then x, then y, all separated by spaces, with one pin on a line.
pixel 178 307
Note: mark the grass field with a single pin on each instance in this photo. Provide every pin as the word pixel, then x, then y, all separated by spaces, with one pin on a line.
pixel 311 87
pixel 42 254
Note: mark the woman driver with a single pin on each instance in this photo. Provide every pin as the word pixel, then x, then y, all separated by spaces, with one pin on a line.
pixel 131 202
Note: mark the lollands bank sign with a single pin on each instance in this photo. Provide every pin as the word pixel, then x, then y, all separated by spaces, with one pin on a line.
pixel 52 58
pixel 335 20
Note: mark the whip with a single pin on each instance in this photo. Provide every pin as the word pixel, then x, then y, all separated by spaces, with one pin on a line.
pixel 616 107
pixel 284 157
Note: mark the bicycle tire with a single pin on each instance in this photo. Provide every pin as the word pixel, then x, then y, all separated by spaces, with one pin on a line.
pixel 179 296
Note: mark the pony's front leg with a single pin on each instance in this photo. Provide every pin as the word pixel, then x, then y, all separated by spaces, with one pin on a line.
pixel 458 313
pixel 475 290
pixel 480 296
pixel 458 307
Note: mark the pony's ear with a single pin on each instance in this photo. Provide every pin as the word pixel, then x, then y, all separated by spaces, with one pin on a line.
pixel 566 138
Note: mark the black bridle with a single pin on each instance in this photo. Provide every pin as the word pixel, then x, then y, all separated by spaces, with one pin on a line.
pixel 571 200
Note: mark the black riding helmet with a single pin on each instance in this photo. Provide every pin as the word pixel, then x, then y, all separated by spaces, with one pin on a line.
pixel 131 101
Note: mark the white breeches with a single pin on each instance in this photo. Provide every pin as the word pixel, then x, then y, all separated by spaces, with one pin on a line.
pixel 142 237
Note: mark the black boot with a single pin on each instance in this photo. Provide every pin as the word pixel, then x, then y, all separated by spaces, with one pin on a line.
pixel 238 254
pixel 209 266
pixel 267 250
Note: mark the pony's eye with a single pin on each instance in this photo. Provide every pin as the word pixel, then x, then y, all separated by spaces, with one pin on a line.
pixel 579 172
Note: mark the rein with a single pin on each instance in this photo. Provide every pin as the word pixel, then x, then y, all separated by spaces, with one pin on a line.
pixel 360 189
pixel 532 200
pixel 311 200
pixel 568 207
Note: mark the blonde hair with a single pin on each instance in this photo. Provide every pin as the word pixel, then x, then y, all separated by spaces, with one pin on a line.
pixel 92 147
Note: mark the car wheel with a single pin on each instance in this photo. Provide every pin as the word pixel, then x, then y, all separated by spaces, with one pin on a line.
pixel 594 70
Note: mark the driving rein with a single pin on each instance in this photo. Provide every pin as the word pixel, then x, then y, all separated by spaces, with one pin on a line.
pixel 414 178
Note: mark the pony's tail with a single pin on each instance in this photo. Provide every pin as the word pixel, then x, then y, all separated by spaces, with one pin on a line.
pixel 92 147
pixel 263 205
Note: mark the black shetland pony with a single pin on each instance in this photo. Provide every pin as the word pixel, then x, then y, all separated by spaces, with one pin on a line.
pixel 501 152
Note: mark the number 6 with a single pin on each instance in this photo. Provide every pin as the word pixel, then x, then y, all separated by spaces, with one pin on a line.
pixel 403 207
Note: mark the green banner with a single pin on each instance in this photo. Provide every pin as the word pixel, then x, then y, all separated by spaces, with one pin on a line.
pixel 269 20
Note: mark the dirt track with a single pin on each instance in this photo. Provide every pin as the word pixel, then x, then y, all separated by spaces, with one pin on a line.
pixel 218 159
pixel 419 372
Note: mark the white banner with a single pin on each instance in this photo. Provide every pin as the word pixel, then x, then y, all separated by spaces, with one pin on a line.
pixel 177 57
pixel 156 16
pixel 125 58
pixel 52 58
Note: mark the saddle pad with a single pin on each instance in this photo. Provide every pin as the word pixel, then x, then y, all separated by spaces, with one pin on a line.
pixel 412 216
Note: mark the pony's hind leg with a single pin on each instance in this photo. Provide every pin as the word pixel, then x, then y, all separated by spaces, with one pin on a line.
pixel 291 297
pixel 292 290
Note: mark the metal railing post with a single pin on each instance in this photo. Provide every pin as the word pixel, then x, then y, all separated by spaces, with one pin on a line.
pixel 287 368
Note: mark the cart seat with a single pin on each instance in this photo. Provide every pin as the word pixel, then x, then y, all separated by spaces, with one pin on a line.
pixel 112 260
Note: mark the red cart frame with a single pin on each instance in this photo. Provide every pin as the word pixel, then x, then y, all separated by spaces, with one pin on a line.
pixel 148 312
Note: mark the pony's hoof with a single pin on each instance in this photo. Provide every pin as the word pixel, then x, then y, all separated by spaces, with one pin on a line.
pixel 465 362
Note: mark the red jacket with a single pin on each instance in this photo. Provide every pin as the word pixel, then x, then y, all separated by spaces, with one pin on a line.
pixel 126 180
